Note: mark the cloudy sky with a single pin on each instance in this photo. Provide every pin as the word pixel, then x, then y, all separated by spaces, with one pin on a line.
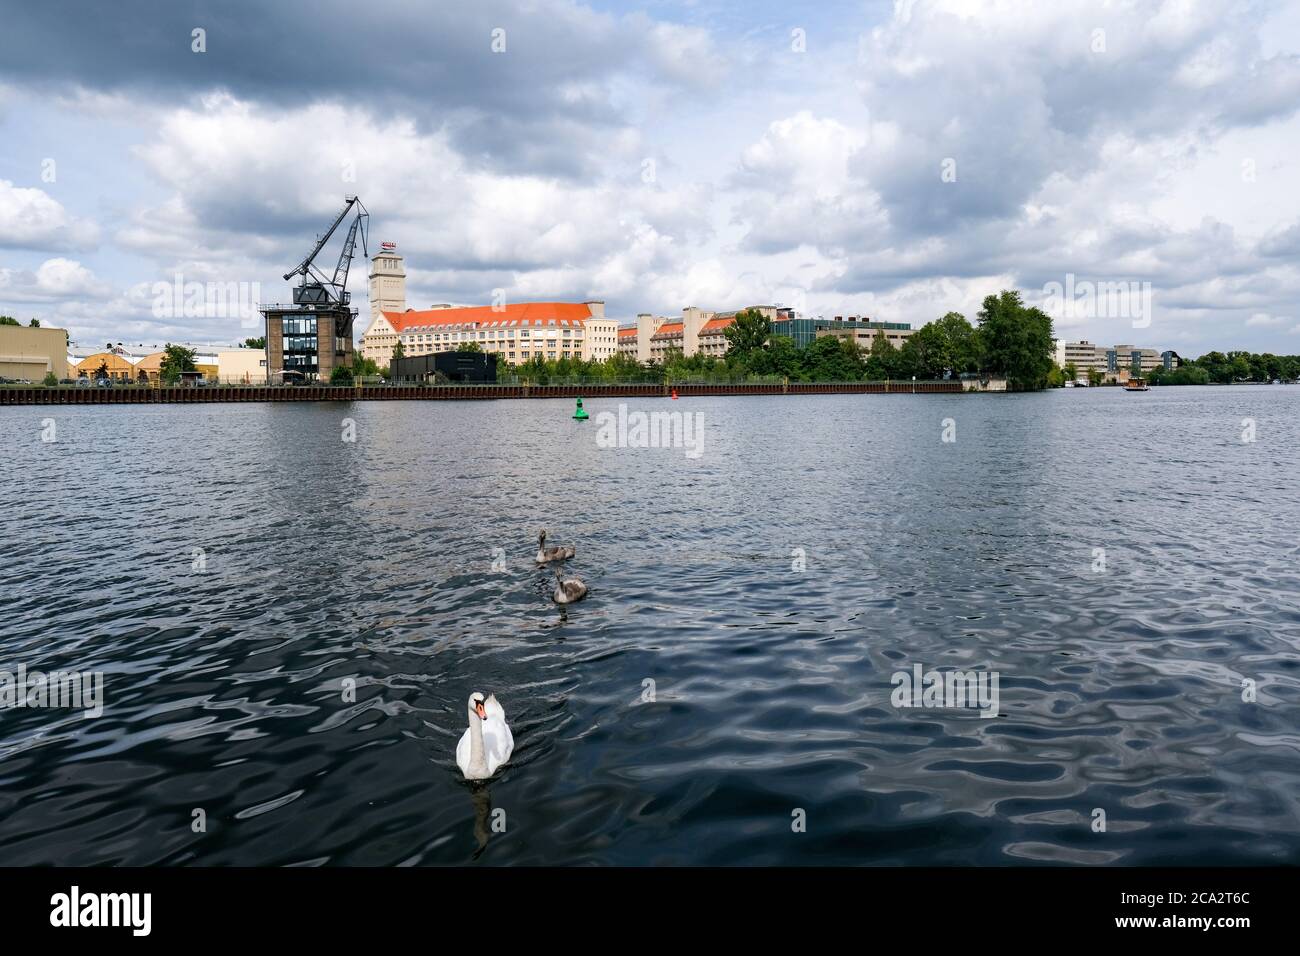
pixel 897 159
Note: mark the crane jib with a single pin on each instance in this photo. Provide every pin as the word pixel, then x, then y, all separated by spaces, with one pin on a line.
pixel 314 288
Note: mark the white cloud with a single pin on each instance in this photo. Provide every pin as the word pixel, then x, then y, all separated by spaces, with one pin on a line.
pixel 53 281
pixel 32 219
pixel 245 190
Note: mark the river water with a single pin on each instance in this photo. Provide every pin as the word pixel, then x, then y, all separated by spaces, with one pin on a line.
pixel 288 625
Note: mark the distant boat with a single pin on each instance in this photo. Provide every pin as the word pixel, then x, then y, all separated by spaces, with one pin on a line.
pixel 1069 384
pixel 1136 385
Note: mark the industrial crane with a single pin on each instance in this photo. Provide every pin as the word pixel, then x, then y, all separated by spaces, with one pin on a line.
pixel 315 289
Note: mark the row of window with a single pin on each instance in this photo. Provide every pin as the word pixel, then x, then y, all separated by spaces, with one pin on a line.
pixel 525 353
pixel 494 335
pixel 300 343
pixel 298 326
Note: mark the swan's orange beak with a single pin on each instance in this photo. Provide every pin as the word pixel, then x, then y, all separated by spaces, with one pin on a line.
pixel 478 707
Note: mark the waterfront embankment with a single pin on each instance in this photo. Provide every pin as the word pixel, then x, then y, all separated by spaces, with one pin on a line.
pixel 133 395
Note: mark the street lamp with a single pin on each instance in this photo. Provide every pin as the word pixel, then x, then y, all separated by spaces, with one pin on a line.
pixel 913 384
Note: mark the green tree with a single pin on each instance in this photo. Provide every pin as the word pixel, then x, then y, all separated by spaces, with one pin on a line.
pixel 342 375
pixel 1071 372
pixel 469 347
pixel 1017 341
pixel 34 324
pixel 399 351
pixel 1216 366
pixel 748 333
pixel 1239 367
pixel 781 357
pixel 940 349
pixel 362 366
pixel 883 360
pixel 963 343
pixel 1184 375
pixel 176 359
pixel 830 358
pixel 930 351
pixel 257 343
pixel 8 320
pixel 50 380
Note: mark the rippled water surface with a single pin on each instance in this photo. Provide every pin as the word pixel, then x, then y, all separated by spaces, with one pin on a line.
pixel 229 568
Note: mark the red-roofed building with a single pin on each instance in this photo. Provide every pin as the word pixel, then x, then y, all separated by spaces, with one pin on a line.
pixel 712 337
pixel 627 341
pixel 516 332
pixel 697 331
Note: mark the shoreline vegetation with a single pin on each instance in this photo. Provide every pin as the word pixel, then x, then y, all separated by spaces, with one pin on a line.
pixel 1234 368
pixel 1008 341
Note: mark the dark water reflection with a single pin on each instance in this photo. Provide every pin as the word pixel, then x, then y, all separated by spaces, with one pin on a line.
pixel 372 561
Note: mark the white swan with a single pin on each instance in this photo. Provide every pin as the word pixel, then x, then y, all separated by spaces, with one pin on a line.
pixel 487 743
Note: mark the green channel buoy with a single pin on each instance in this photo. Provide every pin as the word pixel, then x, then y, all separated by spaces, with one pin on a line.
pixel 580 413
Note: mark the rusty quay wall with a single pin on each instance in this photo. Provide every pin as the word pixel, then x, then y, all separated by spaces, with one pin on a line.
pixel 332 393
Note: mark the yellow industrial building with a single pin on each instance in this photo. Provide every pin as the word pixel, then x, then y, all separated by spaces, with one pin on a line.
pixel 28 355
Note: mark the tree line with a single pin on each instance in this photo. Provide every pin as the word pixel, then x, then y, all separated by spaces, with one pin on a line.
pixel 1008 340
pixel 1225 369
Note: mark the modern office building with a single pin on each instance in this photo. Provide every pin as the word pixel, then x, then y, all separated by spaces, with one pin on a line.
pixel 1114 363
pixel 863 333
pixel 307 342
pixel 1127 357
pixel 478 368
pixel 28 354
pixel 804 330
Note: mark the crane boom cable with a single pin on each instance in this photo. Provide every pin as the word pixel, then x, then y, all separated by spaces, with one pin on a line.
pixel 315 288
pixel 305 265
